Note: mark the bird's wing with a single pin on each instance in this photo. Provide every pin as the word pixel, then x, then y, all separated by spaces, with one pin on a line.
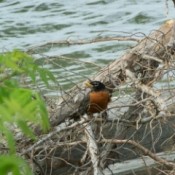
pixel 69 107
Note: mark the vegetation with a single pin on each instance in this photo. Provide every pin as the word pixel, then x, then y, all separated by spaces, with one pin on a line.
pixel 19 105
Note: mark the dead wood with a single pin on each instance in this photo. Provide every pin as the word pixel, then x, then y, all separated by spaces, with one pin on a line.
pixel 139 69
pixel 144 116
pixel 142 61
pixel 137 166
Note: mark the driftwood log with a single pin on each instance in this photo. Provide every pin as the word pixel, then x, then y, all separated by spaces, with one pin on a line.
pixel 139 123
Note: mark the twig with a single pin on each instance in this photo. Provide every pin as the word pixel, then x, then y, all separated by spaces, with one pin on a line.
pixel 146 89
pixel 143 149
pixel 48 136
pixel 148 57
pixel 86 41
pixel 36 163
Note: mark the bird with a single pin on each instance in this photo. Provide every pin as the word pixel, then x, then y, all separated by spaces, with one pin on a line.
pixel 93 98
pixel 98 97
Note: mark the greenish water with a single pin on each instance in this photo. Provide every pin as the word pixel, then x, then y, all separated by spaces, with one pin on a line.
pixel 28 24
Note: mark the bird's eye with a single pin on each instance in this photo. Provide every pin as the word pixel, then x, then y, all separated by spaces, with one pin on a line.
pixel 95 84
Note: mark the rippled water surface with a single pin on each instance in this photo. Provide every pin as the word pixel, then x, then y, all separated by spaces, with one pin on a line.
pixel 28 24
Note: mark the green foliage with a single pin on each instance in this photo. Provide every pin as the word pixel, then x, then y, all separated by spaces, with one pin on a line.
pixel 13 164
pixel 19 105
pixel 19 63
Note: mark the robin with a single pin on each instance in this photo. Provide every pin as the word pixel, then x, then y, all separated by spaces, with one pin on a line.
pixel 99 97
pixel 94 101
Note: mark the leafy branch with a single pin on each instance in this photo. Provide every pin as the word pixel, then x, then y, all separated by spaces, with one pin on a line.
pixel 20 105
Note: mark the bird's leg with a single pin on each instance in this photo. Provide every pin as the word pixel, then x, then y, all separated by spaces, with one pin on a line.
pixel 104 116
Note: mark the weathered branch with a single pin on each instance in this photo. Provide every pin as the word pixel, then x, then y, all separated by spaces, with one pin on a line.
pixel 146 89
pixel 140 164
pixel 143 149
pixel 92 147
pixel 49 135
pixel 85 41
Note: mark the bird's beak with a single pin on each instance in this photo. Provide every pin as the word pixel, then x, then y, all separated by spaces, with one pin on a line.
pixel 88 84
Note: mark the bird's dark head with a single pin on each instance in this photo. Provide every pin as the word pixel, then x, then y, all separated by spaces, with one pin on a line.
pixel 95 85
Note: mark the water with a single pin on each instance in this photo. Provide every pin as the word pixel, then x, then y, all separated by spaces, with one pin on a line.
pixel 28 24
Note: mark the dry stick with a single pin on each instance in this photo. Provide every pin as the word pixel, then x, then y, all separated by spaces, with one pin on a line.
pixel 48 136
pixel 87 41
pixel 148 90
pixel 142 148
pixel 141 121
pixel 58 144
pixel 92 147
pixel 148 57
pixel 118 120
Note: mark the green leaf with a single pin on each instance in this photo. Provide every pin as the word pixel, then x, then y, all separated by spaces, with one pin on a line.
pixel 50 75
pixel 43 76
pixel 43 114
pixel 10 140
pixel 13 164
pixel 20 63
pixel 23 105
pixel 20 106
pixel 26 129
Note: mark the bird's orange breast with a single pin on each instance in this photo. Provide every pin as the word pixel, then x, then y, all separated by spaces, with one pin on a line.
pixel 98 101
